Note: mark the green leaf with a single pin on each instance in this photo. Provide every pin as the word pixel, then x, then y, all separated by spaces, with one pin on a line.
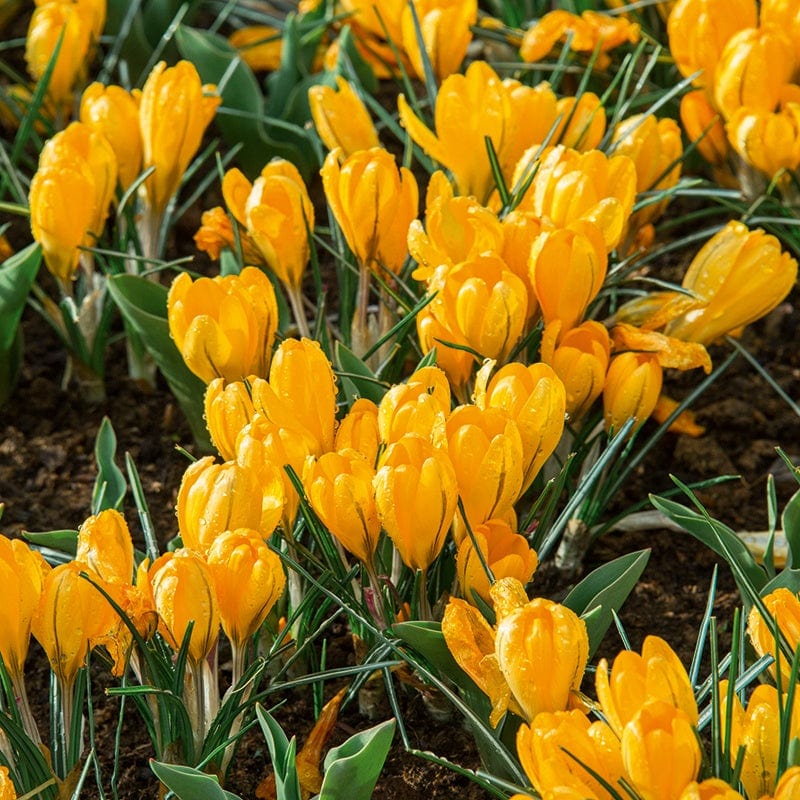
pixel 603 591
pixel 785 579
pixel 109 486
pixel 790 520
pixel 713 534
pixel 352 769
pixel 17 275
pixel 359 374
pixel 143 304
pixel 282 752
pixel 66 541
pixel 189 783
pixel 136 48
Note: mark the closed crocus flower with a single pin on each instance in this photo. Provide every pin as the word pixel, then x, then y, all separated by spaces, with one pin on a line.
pixel 249 580
pixel 71 613
pixel 446 34
pixel 341 118
pixel 699 30
pixel 279 217
pixel 358 430
pixel 174 113
pixel 469 108
pixel 217 497
pixel 224 327
pixel 783 14
pixel 374 202
pixel 581 361
pixel 660 751
pixel 416 494
pixel 568 267
pixel 656 674
pixel 507 554
pixel 766 140
pixel 704 127
pixel 339 489
pixel 583 122
pixel 784 608
pixel 520 230
pixel 50 22
pixel 633 384
pixel 183 592
pixel 710 789
pixel 535 399
pixel 228 409
pixel 741 275
pixel 754 67
pixel 114 112
pixel 485 301
pixel 419 405
pixel 789 785
pixel 563 750
pixel 485 447
pixel 106 547
pixel 457 362
pixel 542 649
pixel 379 17
pixel 534 110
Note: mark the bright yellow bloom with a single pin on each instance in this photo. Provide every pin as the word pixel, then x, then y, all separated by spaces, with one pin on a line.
pixel 259 46
pixel 542 649
pixel 633 384
pixel 583 122
pixel 485 448
pixel 766 140
pixel 507 554
pixel 656 674
pixel 446 34
pixel 216 232
pixel 374 203
pixel 419 405
pixel 7 790
pixel 224 327
pixel 341 118
pixel 520 230
pixel 114 112
pixel 228 408
pixel 416 494
pixel 248 579
pixel 535 399
pixel 455 361
pixel 541 749
pixel 375 14
pixel 710 789
pixel 741 275
pixel 533 112
pixel 183 592
pixel 699 30
pixel 174 113
pixel 359 430
pixel 218 497
pixel 783 14
pixel 339 489
pixel 784 607
pixel 789 785
pixel 581 361
pixel 106 547
pixel 22 573
pixel 660 751
pixel 71 613
pixel 701 119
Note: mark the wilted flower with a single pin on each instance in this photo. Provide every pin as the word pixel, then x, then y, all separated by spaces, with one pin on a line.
pixel 224 326
pixel 341 119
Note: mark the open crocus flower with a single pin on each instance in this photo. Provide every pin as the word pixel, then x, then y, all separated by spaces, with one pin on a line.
pixel 341 118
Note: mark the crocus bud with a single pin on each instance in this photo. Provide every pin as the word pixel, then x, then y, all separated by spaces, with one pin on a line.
pixel 106 547
pixel 563 749
pixel 485 448
pixel 71 613
pixel 784 608
pixel 535 399
pixel 373 203
pixel 710 789
pixel 741 275
pixel 507 554
pixel 359 430
pixel 660 750
pixel 218 497
pixel 249 580
pixel 341 118
pixel 416 494
pixel 183 592
pixel 114 112
pixel 224 326
pixel 339 489
pixel 446 34
pixel 420 405
pixel 279 218
pixel 22 573
pixel 633 384
pixel 542 649
pixel 656 674
pixel 228 409
pixel 174 113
